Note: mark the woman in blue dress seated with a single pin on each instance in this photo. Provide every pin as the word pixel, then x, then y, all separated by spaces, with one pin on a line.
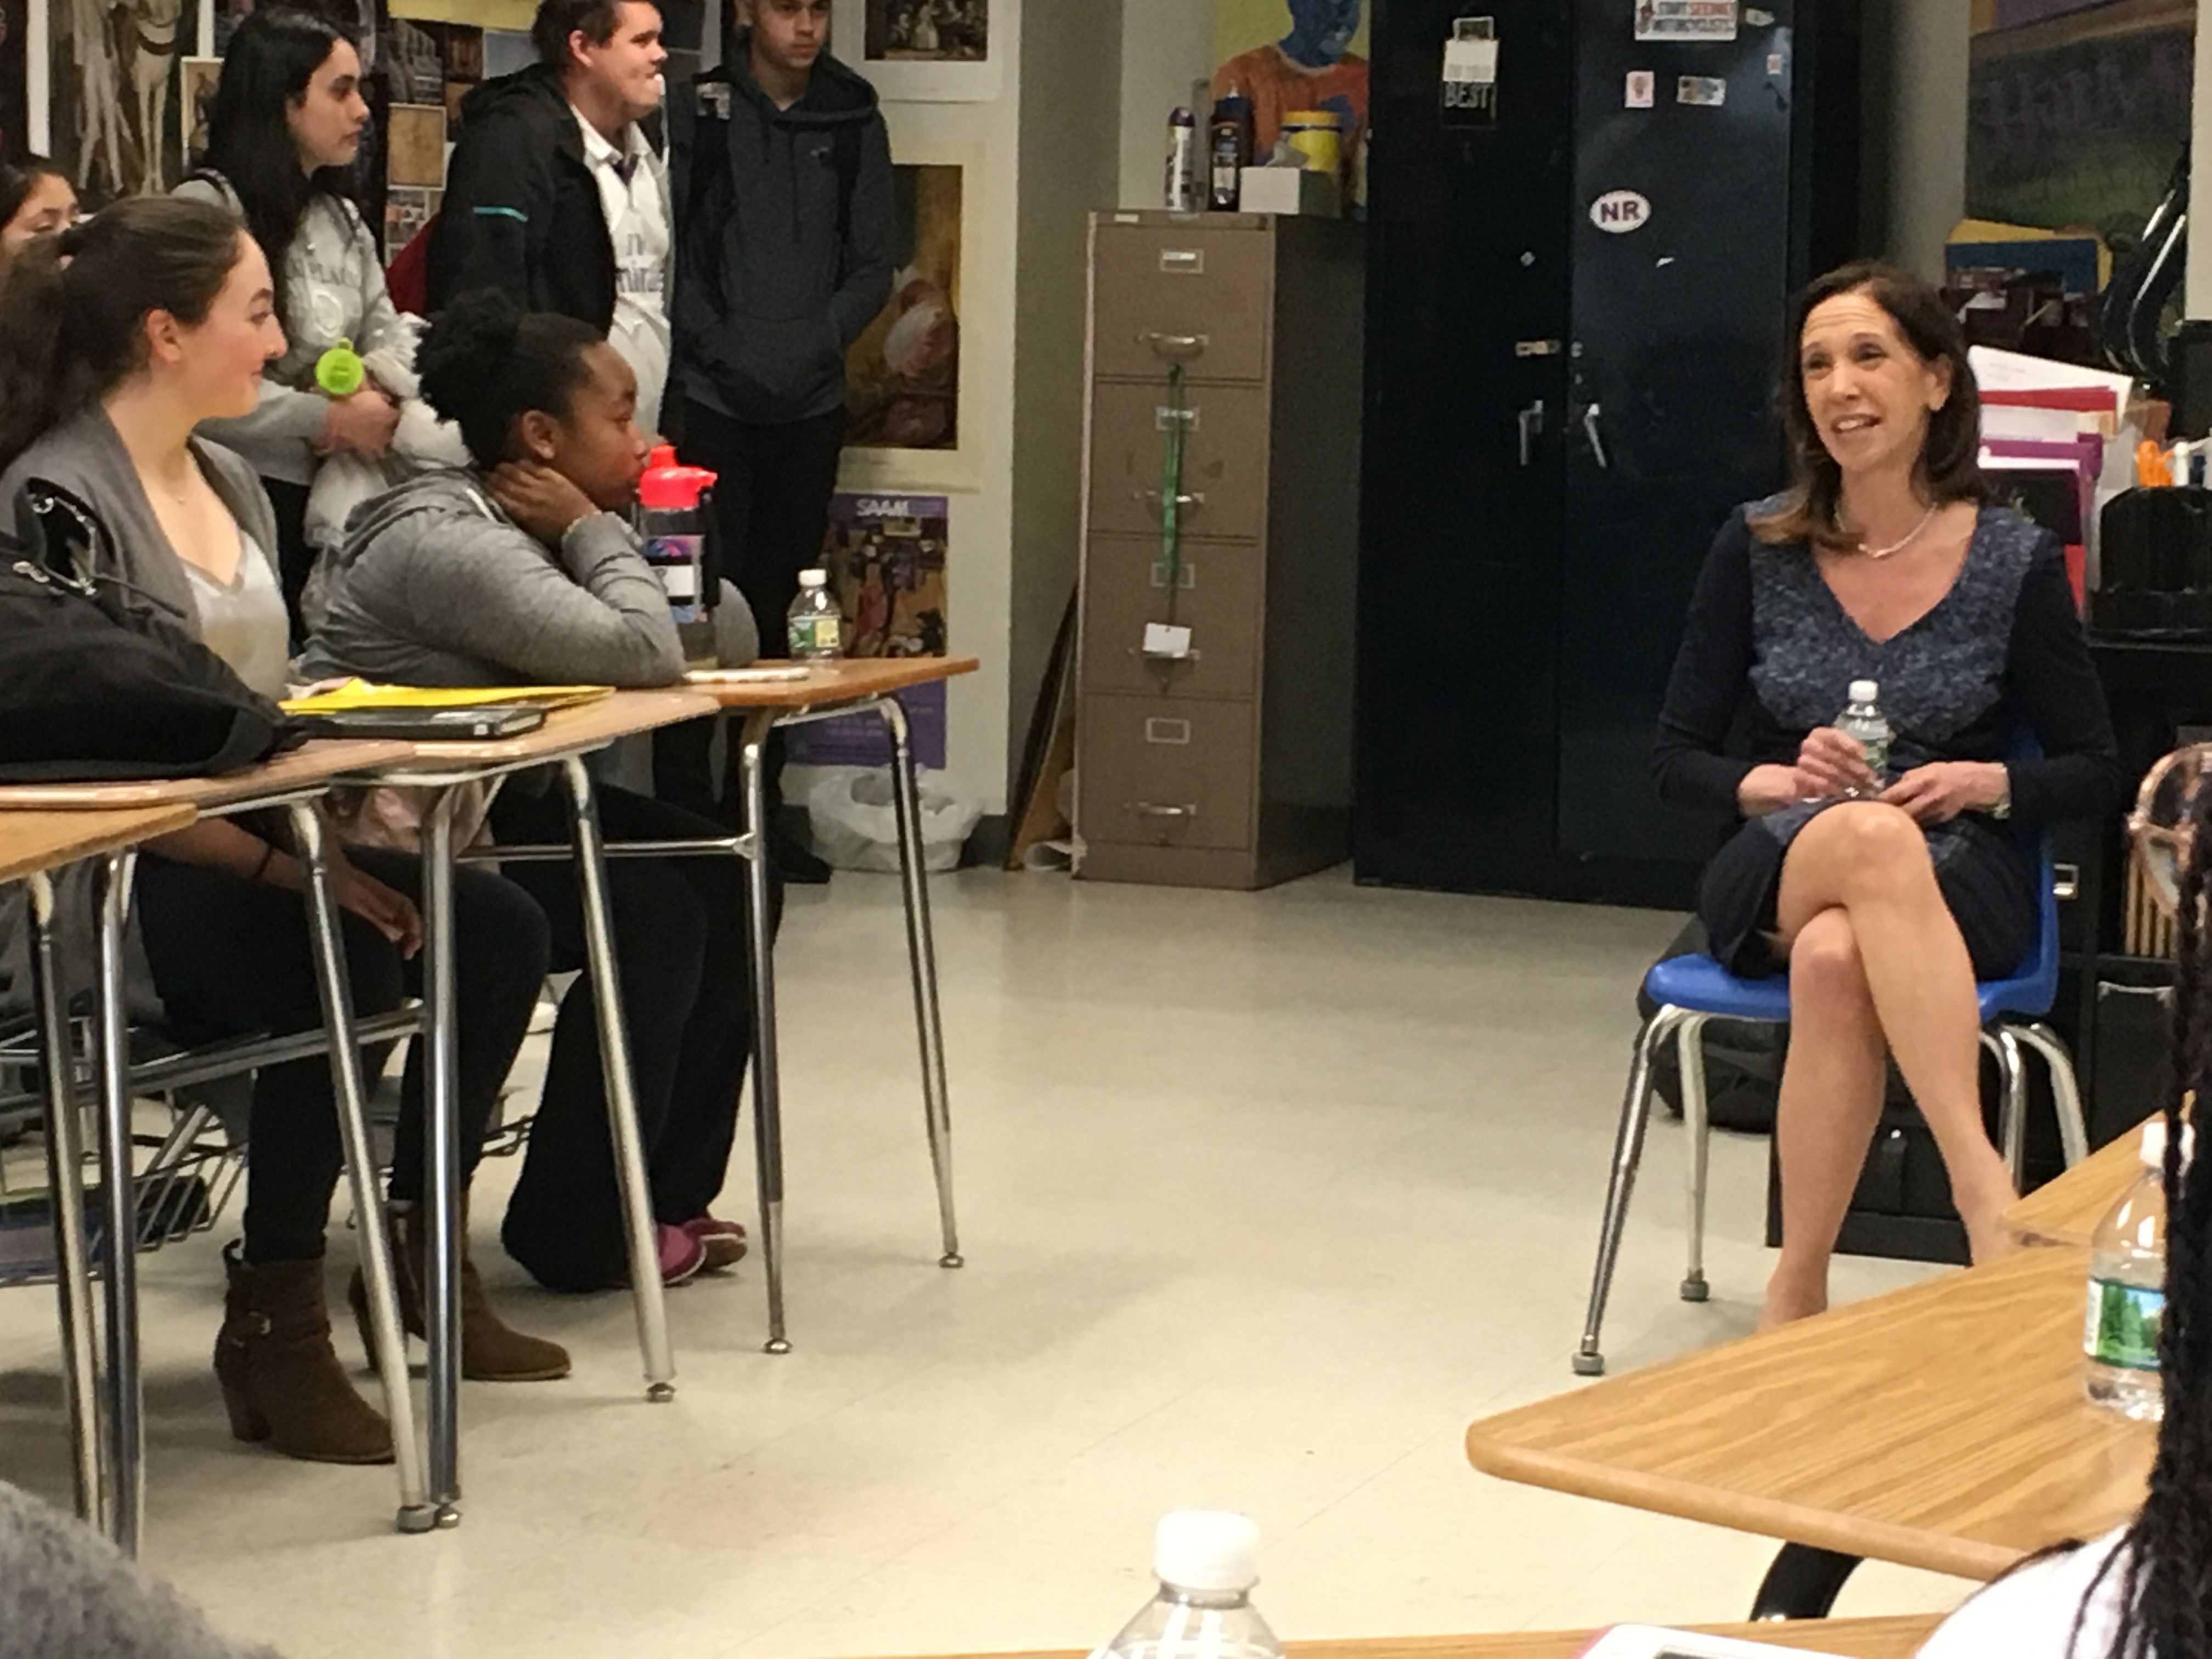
pixel 1883 898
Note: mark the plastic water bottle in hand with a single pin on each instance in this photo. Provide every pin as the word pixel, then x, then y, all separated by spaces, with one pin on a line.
pixel 817 630
pixel 1863 719
pixel 1206 1562
pixel 2127 1289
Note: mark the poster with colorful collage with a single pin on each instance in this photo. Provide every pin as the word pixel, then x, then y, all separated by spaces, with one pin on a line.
pixel 885 556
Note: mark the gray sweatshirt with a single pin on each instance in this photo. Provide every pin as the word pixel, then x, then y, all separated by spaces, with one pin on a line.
pixel 66 1593
pixel 434 585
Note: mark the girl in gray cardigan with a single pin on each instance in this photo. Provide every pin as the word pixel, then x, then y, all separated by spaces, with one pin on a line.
pixel 523 570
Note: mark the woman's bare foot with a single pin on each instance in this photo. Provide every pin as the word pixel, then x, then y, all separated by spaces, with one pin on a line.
pixel 1788 1301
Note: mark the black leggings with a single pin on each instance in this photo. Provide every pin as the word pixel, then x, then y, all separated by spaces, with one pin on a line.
pixel 687 994
pixel 232 955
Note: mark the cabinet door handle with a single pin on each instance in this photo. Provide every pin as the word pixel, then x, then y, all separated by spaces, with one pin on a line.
pixel 1155 810
pixel 1177 348
pixel 1195 499
pixel 1590 432
pixel 1532 428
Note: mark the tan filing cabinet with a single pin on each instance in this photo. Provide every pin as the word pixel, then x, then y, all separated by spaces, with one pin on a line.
pixel 1231 766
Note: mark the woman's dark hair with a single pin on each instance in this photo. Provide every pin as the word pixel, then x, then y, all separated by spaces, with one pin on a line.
pixel 485 363
pixel 556 19
pixel 1950 468
pixel 18 179
pixel 2166 1571
pixel 272 57
pixel 73 306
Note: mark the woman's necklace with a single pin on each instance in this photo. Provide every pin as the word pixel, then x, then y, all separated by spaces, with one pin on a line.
pixel 1910 536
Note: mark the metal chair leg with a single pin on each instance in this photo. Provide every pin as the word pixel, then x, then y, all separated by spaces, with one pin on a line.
pixel 921 957
pixel 1690 1054
pixel 2012 1080
pixel 65 1185
pixel 767 1099
pixel 1627 1152
pixel 619 1085
pixel 2065 1088
pixel 125 1403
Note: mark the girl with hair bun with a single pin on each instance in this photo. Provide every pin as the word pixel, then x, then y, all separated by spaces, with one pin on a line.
pixel 523 569
pixel 119 340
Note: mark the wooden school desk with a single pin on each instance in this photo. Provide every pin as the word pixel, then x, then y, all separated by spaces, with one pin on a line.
pixel 1941 1426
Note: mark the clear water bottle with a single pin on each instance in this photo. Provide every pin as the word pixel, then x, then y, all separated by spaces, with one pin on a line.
pixel 675 505
pixel 817 630
pixel 1206 1562
pixel 1862 718
pixel 2127 1290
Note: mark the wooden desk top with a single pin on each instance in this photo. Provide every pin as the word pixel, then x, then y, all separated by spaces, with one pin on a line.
pixel 2066 1211
pixel 32 842
pixel 567 731
pixel 1854 1638
pixel 839 681
pixel 1941 1426
pixel 316 762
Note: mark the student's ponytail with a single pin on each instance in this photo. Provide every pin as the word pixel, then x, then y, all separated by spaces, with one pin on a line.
pixel 73 308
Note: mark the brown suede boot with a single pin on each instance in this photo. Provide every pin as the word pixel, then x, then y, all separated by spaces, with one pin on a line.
pixel 281 1381
pixel 492 1351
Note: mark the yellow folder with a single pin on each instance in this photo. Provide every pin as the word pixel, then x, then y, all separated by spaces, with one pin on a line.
pixel 361 694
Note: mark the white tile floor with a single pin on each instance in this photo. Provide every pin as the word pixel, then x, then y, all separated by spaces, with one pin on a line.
pixel 1264 1196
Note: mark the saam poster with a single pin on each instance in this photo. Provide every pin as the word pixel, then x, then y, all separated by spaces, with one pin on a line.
pixel 885 555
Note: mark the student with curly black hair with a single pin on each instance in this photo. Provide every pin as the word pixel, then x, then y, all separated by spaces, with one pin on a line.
pixel 524 569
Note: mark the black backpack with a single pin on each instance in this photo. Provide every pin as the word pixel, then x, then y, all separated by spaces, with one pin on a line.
pixel 93 688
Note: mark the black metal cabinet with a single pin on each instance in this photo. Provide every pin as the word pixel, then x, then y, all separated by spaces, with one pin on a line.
pixel 1576 305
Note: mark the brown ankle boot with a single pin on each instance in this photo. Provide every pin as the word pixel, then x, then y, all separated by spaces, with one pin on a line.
pixel 281 1381
pixel 492 1351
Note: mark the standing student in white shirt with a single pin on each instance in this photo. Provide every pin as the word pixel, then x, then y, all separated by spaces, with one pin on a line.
pixel 558 195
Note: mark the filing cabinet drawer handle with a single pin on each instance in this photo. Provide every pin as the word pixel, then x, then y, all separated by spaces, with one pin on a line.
pixel 2066 881
pixel 1182 498
pixel 1151 810
pixel 1174 348
pixel 1191 655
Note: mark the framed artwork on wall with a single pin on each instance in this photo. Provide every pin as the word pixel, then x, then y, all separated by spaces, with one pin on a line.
pixel 922 50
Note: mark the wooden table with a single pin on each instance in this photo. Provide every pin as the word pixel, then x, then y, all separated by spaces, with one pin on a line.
pixel 292 782
pixel 34 846
pixel 1853 1638
pixel 830 690
pixel 1941 1426
pixel 568 736
pixel 2066 1210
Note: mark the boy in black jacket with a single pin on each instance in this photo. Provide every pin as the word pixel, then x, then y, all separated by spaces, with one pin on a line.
pixel 782 183
pixel 558 195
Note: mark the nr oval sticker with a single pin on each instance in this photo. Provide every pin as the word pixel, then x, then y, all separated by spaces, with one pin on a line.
pixel 1621 211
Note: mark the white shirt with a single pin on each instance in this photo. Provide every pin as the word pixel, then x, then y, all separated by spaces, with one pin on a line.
pixel 638 225
pixel 2029 1614
pixel 243 620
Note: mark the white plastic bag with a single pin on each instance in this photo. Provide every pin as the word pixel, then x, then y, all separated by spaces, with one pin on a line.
pixel 856 825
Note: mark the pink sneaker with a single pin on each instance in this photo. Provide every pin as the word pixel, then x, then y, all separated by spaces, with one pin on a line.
pixel 681 1255
pixel 723 1241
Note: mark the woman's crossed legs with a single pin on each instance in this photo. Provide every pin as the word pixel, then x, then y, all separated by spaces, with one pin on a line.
pixel 1876 966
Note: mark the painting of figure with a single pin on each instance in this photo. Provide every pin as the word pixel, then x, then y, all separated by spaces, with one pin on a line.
pixel 929 31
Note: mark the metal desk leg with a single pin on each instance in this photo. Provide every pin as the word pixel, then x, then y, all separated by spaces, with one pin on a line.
pixel 349 1094
pixel 441 1256
pixel 65 1186
pixel 922 956
pixel 768 1123
pixel 619 1083
pixel 1802 1584
pixel 125 1397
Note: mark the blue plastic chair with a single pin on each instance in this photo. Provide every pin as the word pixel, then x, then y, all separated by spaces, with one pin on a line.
pixel 1691 990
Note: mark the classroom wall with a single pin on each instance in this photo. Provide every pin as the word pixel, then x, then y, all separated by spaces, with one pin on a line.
pixel 1167 52
pixel 1925 70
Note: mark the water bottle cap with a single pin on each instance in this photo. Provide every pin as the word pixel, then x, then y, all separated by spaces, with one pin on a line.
pixel 339 372
pixel 2153 1149
pixel 1207 1550
pixel 816 577
pixel 667 487
pixel 1864 691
